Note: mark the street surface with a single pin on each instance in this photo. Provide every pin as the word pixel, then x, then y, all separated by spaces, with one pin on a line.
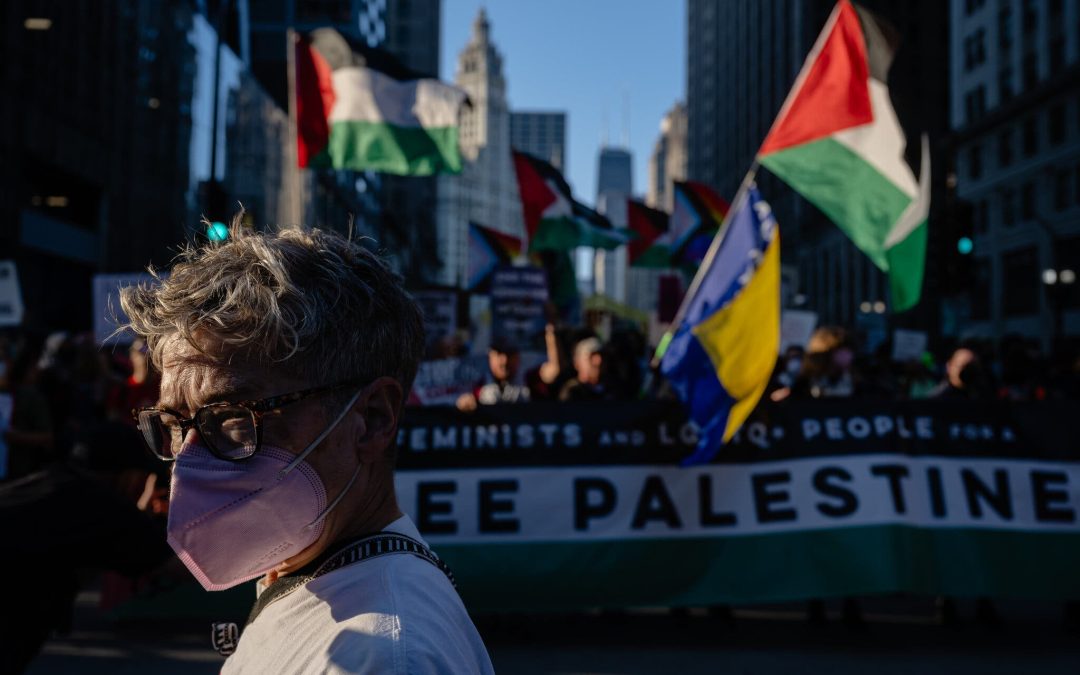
pixel 899 636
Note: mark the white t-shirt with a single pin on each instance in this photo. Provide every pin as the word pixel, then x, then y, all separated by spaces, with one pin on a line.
pixel 390 614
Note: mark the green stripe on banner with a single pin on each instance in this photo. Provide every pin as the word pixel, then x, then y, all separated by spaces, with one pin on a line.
pixel 564 576
pixel 848 189
pixel 377 146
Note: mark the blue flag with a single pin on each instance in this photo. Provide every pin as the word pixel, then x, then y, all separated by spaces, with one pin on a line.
pixel 722 354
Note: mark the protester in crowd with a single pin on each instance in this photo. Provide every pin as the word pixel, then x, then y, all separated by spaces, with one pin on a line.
pixel 504 366
pixel 285 358
pixel 790 365
pixel 139 390
pixel 30 435
pixel 965 377
pixel 89 513
pixel 588 364
pixel 623 364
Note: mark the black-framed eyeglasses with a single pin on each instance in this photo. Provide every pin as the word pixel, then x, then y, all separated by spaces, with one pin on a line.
pixel 231 431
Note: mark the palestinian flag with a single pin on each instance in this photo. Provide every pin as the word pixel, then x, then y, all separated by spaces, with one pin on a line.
pixel 652 245
pixel 488 249
pixel 554 220
pixel 359 109
pixel 837 142
pixel 695 220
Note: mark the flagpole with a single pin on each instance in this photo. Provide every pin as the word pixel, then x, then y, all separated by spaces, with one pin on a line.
pixel 703 268
pixel 296 201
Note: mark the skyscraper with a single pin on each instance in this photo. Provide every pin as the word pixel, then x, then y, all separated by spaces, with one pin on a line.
pixel 541 134
pixel 1016 114
pixel 742 59
pixel 614 185
pixel 485 191
pixel 403 224
pixel 667 163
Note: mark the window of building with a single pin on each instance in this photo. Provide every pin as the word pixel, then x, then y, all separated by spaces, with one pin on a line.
pixel 1005 147
pixel 1057 54
pixel 980 291
pixel 1008 207
pixel 972 6
pixel 1031 137
pixel 1061 189
pixel 1005 28
pixel 1076 191
pixel 974 49
pixel 1030 70
pixel 1005 85
pixel 1031 16
pixel 1056 9
pixel 975 104
pixel 1027 201
pixel 1021 281
pixel 1067 252
pixel 975 161
pixel 1057 124
pixel 980 217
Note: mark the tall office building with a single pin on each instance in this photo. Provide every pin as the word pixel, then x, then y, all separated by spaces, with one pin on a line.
pixel 667 163
pixel 541 134
pixel 742 60
pixel 402 221
pixel 614 185
pixel 95 159
pixel 486 190
pixel 1016 114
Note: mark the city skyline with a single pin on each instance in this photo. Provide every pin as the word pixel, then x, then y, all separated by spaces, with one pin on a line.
pixel 642 63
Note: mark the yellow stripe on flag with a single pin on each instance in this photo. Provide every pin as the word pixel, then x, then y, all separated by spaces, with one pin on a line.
pixel 743 339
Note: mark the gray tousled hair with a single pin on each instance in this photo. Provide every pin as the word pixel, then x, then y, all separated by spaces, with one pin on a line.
pixel 317 305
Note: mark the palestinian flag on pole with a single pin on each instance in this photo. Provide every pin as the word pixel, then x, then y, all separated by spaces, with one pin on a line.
pixel 488 249
pixel 652 245
pixel 359 109
pixel 837 142
pixel 554 220
pixel 695 220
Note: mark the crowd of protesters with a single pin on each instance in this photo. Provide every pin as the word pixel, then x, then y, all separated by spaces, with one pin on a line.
pixel 579 366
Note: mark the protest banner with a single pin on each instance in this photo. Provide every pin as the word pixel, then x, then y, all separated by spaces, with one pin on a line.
pixel 567 507
pixel 518 296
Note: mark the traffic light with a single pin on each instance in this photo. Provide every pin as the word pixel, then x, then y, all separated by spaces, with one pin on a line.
pixel 215 205
pixel 959 246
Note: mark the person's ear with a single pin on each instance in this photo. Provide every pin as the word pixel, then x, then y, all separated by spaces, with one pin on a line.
pixel 380 405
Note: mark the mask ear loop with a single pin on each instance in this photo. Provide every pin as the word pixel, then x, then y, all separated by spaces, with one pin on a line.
pixel 341 495
pixel 320 438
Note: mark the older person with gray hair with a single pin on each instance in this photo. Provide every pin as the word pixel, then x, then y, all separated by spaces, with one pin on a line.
pixel 285 359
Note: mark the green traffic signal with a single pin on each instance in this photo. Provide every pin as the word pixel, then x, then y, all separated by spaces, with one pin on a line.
pixel 965 245
pixel 217 231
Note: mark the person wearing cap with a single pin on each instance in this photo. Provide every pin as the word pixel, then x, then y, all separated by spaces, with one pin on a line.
pixel 588 361
pixel 504 364
pixel 285 357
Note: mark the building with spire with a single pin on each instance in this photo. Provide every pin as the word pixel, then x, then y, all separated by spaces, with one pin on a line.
pixel 485 192
pixel 614 185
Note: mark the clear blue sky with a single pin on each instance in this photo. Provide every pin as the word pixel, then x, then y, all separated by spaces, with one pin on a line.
pixel 581 56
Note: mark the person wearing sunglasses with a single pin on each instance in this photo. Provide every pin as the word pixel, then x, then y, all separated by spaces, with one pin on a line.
pixel 285 358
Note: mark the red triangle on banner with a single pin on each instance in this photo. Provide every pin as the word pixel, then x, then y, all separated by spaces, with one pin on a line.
pixel 834 91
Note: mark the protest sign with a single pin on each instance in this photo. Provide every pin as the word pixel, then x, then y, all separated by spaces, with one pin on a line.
pixel 7 404
pixel 11 304
pixel 566 507
pixel 796 327
pixel 108 315
pixel 908 345
pixel 440 313
pixel 518 296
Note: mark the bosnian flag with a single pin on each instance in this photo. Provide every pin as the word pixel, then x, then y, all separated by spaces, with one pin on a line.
pixel 837 142
pixel 359 109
